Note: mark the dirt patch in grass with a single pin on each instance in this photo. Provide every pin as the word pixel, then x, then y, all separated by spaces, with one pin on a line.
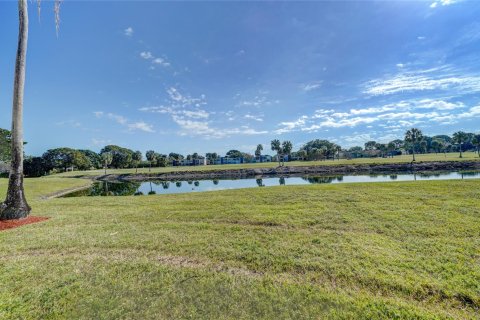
pixel 10 224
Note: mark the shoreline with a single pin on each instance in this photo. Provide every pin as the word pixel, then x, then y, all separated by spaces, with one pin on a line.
pixel 320 170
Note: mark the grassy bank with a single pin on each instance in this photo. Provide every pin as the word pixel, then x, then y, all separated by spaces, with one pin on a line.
pixel 467 156
pixel 396 250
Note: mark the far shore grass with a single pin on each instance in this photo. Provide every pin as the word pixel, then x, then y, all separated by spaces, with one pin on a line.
pixel 467 156
pixel 398 250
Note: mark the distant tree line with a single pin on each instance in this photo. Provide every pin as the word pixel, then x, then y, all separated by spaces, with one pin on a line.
pixel 112 156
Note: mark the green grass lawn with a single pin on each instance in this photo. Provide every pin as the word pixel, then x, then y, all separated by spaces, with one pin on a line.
pixel 399 250
pixel 397 159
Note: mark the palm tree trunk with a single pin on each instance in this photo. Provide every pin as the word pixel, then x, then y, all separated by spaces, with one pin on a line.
pixel 413 152
pixel 461 156
pixel 15 205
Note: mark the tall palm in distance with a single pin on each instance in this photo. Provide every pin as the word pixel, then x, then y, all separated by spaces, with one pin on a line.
pixel 460 137
pixel 258 151
pixel 413 136
pixel 476 143
pixel 107 158
pixel 276 146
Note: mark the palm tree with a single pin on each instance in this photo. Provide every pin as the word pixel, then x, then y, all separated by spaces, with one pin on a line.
pixel 413 136
pixel 15 205
pixel 275 145
pixel 259 150
pixel 107 158
pixel 460 137
pixel 337 149
pixel 151 156
pixel 287 149
pixel 476 142
pixel 136 157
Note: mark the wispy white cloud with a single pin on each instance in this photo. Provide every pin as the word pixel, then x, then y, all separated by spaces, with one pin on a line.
pixel 260 100
pixel 130 125
pixel 155 61
pixel 140 125
pixel 289 126
pixel 146 55
pixel 161 62
pixel 128 32
pixel 437 3
pixel 240 52
pixel 117 118
pixel 389 116
pixel 202 128
pixel 98 114
pixel 421 80
pixel 439 104
pixel 311 86
pixel 186 112
pixel 253 117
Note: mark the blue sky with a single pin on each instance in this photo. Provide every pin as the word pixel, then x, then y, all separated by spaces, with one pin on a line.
pixel 208 77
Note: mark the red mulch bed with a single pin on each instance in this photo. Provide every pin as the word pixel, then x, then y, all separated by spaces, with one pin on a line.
pixel 10 224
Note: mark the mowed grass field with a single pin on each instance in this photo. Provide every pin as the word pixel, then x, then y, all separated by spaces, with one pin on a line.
pixel 467 156
pixel 399 250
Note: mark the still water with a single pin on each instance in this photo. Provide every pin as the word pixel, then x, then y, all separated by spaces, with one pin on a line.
pixel 169 187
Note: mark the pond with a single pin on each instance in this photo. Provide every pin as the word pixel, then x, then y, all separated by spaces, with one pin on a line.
pixel 169 187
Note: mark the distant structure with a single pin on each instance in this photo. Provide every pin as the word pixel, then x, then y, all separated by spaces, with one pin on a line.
pixel 202 161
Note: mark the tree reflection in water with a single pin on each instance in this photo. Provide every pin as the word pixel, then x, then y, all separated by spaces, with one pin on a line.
pixel 315 180
pixel 105 188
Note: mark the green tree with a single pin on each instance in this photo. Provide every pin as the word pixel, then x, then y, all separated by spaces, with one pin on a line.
pixel 413 136
pixel 460 138
pixel 234 154
pixel 277 147
pixel 107 159
pixel 64 158
pixel 211 156
pixel 161 160
pixel 151 158
pixel 328 147
pixel 287 147
pixel 302 154
pixel 122 157
pixel 355 152
pixel 136 159
pixel 476 143
pixel 34 167
pixel 371 145
pixel 94 158
pixel 337 149
pixel 175 156
pixel 258 151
